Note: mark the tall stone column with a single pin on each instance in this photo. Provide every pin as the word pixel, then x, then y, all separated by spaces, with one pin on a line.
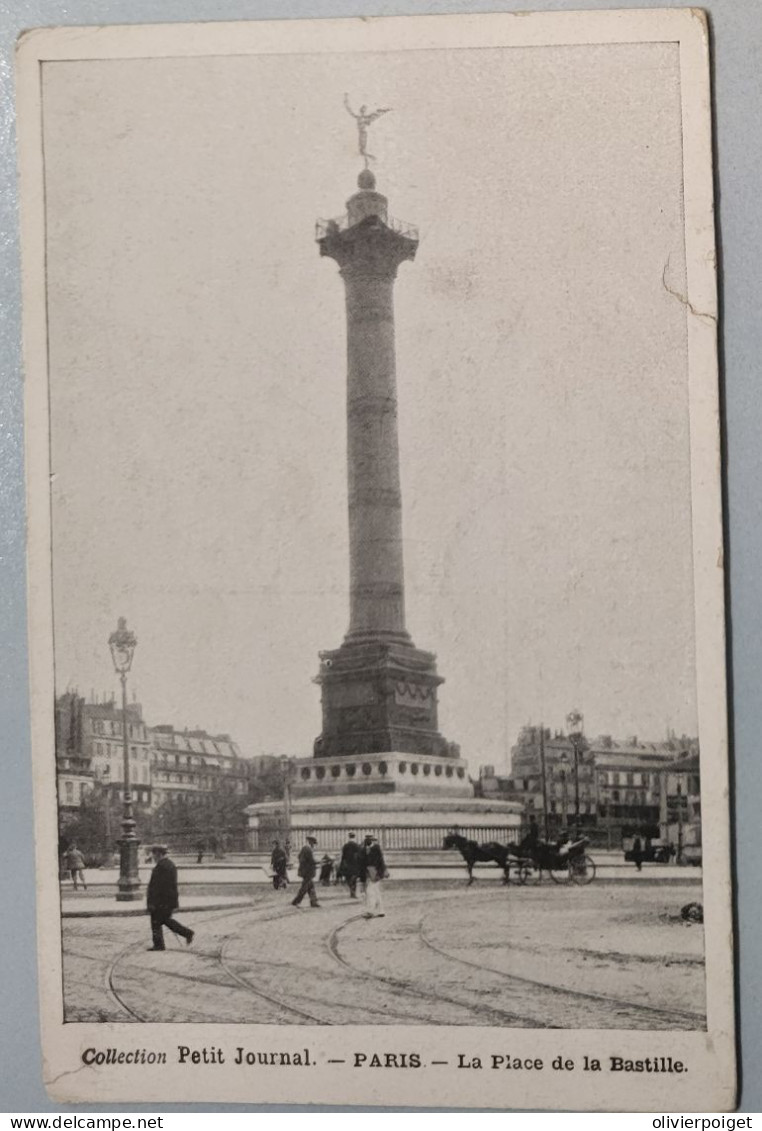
pixel 379 691
pixel 369 261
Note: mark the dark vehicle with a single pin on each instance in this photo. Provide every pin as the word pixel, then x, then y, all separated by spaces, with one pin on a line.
pixel 651 852
pixel 565 862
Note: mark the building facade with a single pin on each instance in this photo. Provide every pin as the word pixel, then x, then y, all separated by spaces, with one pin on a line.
pixel 610 787
pixel 187 764
pixel 166 764
pixel 74 771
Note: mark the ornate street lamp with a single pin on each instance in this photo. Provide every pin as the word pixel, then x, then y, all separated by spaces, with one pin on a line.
pixel 576 725
pixel 286 767
pixel 544 780
pixel 679 791
pixel 563 762
pixel 122 643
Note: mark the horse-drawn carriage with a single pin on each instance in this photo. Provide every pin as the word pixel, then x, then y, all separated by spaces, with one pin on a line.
pixel 564 861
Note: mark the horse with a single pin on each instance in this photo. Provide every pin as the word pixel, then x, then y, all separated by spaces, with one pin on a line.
pixel 472 853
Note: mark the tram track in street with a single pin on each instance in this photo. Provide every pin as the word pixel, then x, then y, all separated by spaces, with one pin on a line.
pixel 498 1016
pixel 582 995
pixel 292 993
pixel 117 996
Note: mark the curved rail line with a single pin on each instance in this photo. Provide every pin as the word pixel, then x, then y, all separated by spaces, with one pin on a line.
pixel 423 995
pixel 331 942
pixel 256 990
pixel 243 981
pixel 584 995
pixel 111 990
pixel 116 997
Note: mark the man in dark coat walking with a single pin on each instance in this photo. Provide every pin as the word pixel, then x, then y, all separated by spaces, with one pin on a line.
pixel 163 900
pixel 349 868
pixel 307 873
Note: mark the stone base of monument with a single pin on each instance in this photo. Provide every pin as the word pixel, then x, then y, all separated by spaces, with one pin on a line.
pixel 409 801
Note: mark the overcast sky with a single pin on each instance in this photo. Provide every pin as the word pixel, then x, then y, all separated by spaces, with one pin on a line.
pixel 198 398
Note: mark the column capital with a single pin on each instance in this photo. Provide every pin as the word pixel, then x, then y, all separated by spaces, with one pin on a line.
pixel 370 248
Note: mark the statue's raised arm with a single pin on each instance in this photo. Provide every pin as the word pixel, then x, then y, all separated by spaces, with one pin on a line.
pixel 364 119
pixel 377 114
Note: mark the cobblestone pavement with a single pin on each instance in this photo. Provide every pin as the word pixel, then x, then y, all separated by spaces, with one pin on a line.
pixel 546 956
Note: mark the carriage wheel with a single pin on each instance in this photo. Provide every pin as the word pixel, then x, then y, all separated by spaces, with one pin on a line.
pixel 523 873
pixel 559 875
pixel 581 870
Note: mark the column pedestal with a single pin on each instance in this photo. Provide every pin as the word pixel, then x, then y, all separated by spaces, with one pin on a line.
pixel 380 697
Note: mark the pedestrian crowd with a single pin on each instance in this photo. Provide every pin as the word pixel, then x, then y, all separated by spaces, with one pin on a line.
pixel 361 864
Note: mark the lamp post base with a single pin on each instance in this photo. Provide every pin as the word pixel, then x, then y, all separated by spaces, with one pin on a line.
pixel 129 878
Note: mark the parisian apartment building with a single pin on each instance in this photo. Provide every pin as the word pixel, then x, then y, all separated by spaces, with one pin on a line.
pixel 614 785
pixel 166 763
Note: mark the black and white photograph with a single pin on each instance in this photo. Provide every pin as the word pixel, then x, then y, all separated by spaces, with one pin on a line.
pixel 376 559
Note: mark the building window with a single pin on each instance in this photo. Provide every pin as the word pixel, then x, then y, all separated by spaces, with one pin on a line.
pixel 461 772
pixel 414 768
pixel 320 772
pixel 367 768
pixel 69 787
pixel 403 767
pixel 448 771
pixel 305 771
pixel 383 768
pixel 351 770
pixel 335 771
pixel 426 769
pixel 438 771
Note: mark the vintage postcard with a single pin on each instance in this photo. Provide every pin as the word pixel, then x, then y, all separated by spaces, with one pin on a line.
pixel 376 562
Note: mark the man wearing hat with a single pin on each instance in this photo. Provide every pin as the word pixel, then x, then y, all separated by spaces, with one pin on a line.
pixel 373 872
pixel 349 868
pixel 307 872
pixel 163 899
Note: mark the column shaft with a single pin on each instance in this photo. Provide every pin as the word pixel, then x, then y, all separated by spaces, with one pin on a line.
pixel 377 602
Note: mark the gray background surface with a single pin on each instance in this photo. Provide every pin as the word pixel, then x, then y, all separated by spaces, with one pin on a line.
pixel 737 42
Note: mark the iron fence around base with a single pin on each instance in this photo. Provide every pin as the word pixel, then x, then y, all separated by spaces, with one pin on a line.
pixel 405 838
pixel 424 838
pixel 224 842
